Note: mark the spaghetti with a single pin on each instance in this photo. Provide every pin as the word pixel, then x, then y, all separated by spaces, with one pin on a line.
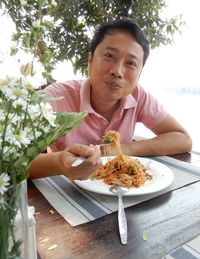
pixel 122 170
pixel 112 141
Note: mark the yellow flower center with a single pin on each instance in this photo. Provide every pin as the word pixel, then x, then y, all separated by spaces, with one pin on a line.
pixel 17 92
pixel 1 182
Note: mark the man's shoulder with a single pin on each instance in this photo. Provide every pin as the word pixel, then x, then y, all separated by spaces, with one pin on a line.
pixel 139 91
pixel 64 87
pixel 142 96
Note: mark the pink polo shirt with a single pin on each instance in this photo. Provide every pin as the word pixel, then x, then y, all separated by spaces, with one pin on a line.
pixel 139 106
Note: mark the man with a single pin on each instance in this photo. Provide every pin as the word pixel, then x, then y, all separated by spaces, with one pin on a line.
pixel 114 100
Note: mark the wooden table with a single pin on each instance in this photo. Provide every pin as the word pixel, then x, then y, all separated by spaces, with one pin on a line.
pixel 166 222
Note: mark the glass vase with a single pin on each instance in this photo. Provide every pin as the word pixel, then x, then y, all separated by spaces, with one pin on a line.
pixel 14 225
pixel 23 218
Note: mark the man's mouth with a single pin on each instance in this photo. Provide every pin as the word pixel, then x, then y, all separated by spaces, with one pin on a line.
pixel 113 84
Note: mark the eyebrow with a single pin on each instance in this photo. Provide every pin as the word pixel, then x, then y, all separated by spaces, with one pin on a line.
pixel 116 50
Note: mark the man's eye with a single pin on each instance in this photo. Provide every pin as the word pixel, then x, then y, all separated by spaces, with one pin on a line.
pixel 108 55
pixel 131 64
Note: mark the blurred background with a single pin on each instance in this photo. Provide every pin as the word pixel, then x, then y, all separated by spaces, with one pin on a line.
pixel 171 72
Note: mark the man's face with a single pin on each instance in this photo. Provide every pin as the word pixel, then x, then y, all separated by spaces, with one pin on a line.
pixel 115 67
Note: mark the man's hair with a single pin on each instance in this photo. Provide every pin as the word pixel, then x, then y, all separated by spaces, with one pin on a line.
pixel 123 24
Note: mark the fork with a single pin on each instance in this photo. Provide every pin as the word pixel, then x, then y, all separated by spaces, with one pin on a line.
pixel 81 159
pixel 122 222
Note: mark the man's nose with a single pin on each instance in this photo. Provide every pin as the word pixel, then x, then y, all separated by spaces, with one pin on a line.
pixel 117 70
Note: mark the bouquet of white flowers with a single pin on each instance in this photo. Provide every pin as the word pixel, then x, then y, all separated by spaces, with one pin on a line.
pixel 27 126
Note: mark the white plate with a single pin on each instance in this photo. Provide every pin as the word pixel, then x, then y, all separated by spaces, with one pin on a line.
pixel 162 178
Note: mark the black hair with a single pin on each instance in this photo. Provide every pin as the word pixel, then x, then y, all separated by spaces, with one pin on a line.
pixel 124 24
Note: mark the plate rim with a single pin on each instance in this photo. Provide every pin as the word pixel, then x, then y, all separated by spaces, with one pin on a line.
pixel 81 183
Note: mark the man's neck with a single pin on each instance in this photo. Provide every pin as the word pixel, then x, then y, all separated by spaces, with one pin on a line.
pixel 105 109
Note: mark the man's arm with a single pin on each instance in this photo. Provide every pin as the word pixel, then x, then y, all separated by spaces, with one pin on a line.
pixel 60 163
pixel 171 138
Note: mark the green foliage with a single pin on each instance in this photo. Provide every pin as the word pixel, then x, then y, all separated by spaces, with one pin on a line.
pixel 66 26
pixel 66 122
pixel 28 125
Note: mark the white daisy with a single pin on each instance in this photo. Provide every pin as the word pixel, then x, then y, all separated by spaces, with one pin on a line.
pixel 36 24
pixel 23 2
pixel 21 138
pixel 2 115
pixel 4 182
pixel 30 87
pixel 53 3
pixel 47 111
pixel 8 82
pixel 2 201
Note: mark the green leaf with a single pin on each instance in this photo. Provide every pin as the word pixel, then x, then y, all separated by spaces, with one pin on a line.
pixel 69 120
pixel 32 151
pixel 42 144
pixel 22 162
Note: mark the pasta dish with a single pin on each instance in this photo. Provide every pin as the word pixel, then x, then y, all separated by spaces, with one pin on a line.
pixel 122 170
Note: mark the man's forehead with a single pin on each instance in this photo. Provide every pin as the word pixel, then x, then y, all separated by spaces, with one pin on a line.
pixel 112 44
pixel 120 34
pixel 117 31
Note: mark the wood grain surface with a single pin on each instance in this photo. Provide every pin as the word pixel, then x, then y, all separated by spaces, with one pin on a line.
pixel 155 227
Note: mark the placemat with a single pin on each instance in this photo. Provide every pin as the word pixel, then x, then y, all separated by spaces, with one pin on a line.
pixel 190 250
pixel 79 206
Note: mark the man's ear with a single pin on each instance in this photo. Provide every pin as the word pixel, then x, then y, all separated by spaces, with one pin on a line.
pixel 89 58
pixel 89 63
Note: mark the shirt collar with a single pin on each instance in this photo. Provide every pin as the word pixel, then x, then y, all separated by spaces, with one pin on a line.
pixel 85 104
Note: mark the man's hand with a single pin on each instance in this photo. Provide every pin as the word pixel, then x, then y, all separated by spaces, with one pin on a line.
pixel 85 169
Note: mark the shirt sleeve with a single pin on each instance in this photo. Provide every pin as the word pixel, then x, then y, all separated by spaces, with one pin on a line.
pixel 68 93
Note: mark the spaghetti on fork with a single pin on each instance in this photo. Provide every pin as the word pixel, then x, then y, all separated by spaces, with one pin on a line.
pixel 112 141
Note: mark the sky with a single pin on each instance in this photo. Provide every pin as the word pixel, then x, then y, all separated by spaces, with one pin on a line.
pixel 177 65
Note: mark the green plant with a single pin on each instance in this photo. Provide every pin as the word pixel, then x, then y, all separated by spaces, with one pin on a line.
pixel 28 125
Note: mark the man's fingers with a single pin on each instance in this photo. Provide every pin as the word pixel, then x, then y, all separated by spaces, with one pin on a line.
pixel 86 169
pixel 81 150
